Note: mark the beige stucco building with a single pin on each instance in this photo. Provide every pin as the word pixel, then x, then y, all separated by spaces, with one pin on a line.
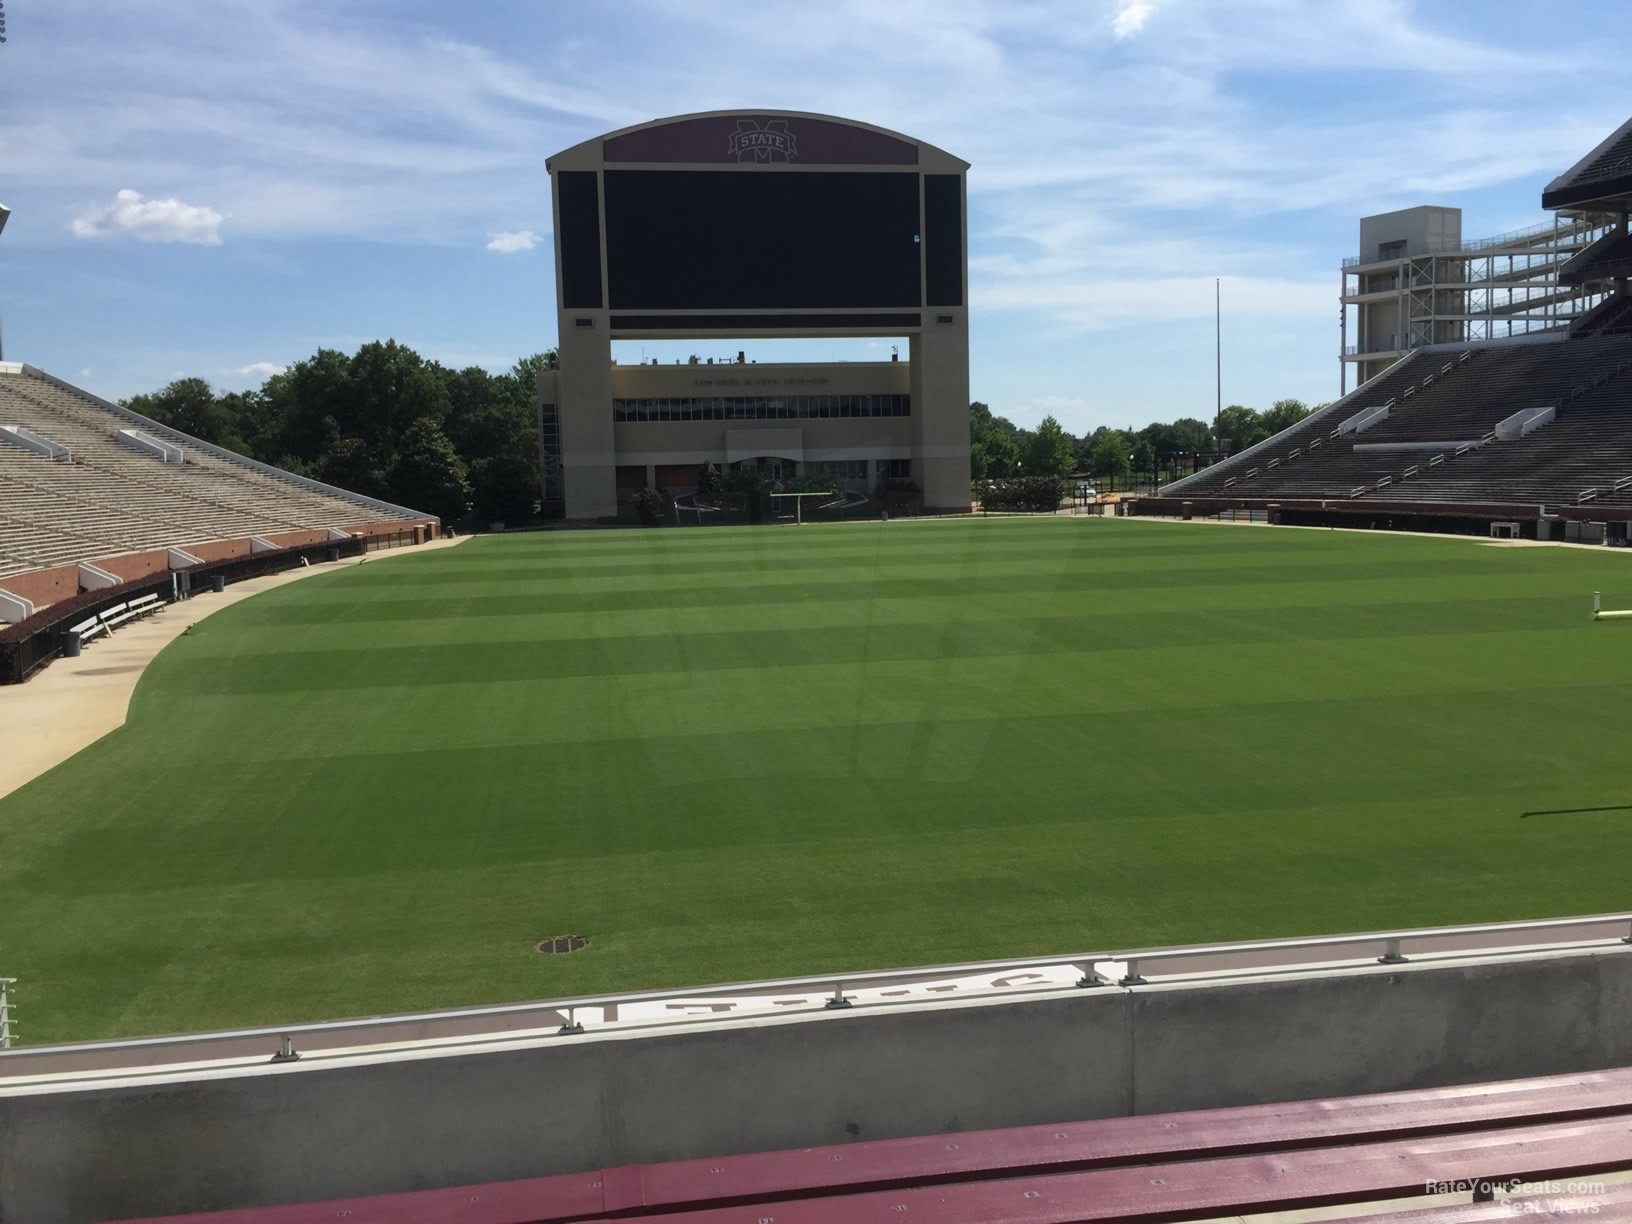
pixel 728 227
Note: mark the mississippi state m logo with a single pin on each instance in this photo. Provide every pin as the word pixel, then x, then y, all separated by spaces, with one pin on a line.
pixel 771 143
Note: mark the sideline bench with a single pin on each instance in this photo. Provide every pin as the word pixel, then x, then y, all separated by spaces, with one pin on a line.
pixel 88 629
pixel 142 605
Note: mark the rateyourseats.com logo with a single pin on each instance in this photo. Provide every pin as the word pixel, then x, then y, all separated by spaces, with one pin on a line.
pixel 1543 1198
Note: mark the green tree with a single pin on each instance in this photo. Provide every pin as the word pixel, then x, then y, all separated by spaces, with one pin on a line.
pixel 1191 436
pixel 504 488
pixel 304 405
pixel 994 456
pixel 494 427
pixel 1142 456
pixel 428 473
pixel 350 464
pixel 1283 414
pixel 391 387
pixel 710 486
pixel 1110 455
pixel 1241 427
pixel 1049 450
pixel 188 404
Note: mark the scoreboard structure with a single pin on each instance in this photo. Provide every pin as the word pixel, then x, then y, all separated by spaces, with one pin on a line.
pixel 735 225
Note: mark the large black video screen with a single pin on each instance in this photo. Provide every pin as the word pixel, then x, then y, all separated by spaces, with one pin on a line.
pixel 759 239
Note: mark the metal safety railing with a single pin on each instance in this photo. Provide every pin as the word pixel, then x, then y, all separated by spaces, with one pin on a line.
pixel 7 1006
pixel 825 992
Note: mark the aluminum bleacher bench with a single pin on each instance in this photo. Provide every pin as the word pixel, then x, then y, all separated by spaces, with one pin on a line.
pixel 88 629
pixel 143 605
pixel 1170 1166
pixel 117 615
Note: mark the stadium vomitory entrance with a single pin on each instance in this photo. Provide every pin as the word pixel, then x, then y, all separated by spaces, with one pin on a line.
pixel 756 225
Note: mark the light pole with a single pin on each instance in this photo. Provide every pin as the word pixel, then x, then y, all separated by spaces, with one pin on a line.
pixel 4 211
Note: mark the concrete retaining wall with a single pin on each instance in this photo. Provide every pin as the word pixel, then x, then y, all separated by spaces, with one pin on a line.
pixel 339 1125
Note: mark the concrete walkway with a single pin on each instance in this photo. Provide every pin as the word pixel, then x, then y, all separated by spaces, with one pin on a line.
pixel 72 703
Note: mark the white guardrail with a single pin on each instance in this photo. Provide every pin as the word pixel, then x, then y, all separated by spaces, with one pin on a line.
pixel 881 988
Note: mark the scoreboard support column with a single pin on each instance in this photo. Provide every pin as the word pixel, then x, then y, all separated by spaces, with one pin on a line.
pixel 939 357
pixel 588 449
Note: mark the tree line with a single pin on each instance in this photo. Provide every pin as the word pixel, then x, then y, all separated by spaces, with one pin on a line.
pixel 384 422
pixel 1000 450
pixel 463 444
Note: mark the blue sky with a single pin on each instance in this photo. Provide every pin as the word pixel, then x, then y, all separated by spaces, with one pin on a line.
pixel 219 187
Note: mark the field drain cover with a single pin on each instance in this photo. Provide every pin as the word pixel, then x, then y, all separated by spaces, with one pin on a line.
pixel 557 944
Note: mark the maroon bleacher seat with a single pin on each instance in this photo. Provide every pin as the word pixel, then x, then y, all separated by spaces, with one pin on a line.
pixel 1217 1162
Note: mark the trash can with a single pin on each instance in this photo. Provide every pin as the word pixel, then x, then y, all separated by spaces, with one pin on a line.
pixel 70 645
pixel 1187 511
pixel 218 583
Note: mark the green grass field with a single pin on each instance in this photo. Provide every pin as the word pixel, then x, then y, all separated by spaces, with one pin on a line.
pixel 726 754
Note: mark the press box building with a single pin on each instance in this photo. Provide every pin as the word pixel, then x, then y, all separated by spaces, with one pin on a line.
pixel 725 227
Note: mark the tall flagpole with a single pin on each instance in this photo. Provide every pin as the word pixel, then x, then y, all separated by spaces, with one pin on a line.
pixel 1218 365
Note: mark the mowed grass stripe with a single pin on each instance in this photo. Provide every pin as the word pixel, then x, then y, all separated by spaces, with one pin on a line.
pixel 653 654
pixel 455 623
pixel 739 592
pixel 730 753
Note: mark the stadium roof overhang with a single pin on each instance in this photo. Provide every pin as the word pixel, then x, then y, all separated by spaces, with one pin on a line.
pixel 1600 181
pixel 755 135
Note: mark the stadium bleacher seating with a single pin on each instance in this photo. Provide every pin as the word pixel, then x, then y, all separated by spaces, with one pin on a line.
pixel 1611 317
pixel 106 497
pixel 1440 402
pixel 1197 1165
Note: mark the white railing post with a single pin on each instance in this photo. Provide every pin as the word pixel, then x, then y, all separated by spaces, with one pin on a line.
pixel 5 1012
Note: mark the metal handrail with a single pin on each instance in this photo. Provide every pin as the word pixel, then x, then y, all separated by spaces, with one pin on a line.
pixel 833 985
pixel 5 1012
pixel 1393 941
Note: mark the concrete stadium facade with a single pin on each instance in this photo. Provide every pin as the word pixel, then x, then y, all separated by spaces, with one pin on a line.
pixel 819 227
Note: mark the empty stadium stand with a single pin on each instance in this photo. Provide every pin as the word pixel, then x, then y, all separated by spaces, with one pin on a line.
pixel 1482 1139
pixel 1533 432
pixel 84 480
pixel 1437 441
pixel 1611 317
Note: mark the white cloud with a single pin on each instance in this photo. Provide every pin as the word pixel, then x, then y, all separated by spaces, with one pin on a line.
pixel 85 373
pixel 258 369
pixel 1131 18
pixel 130 213
pixel 508 242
